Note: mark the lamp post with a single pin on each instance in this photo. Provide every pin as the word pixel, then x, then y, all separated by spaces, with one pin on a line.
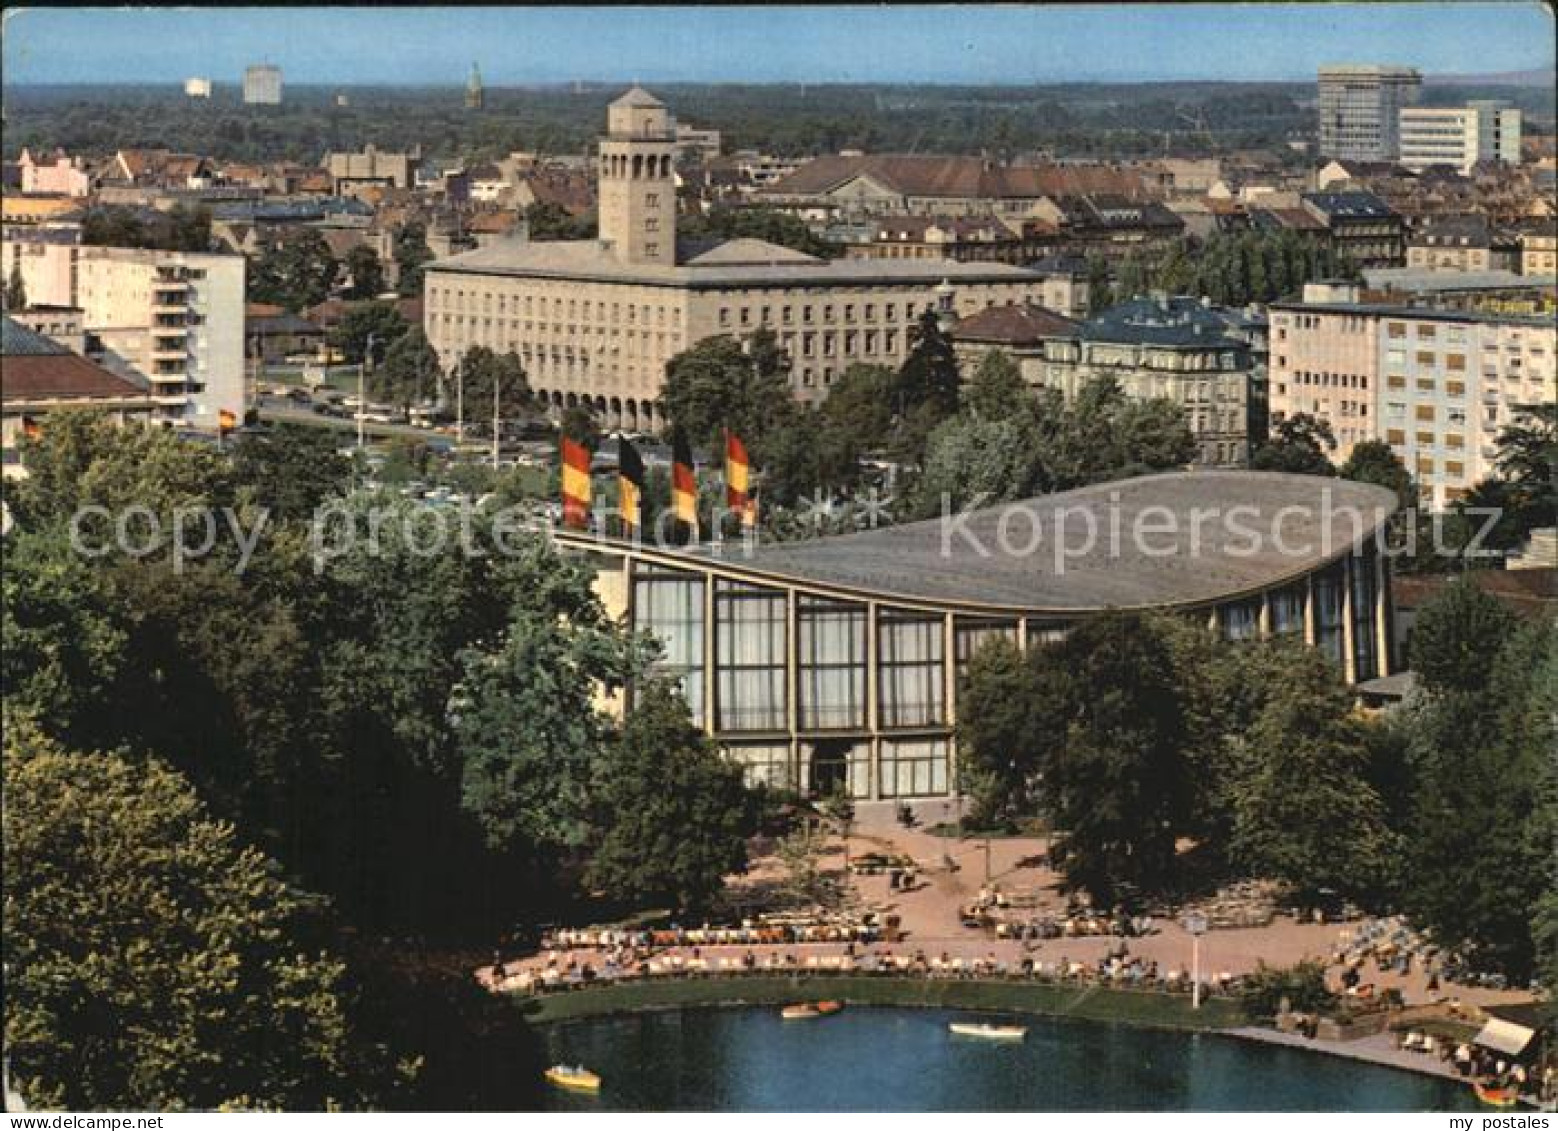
pixel 362 397
pixel 1195 923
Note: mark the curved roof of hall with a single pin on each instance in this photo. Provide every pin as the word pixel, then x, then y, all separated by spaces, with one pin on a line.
pixel 1256 530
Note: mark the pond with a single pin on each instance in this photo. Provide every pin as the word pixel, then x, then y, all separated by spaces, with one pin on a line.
pixel 887 1059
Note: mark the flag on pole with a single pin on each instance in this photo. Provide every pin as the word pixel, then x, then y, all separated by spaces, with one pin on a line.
pixel 684 484
pixel 226 421
pixel 738 473
pixel 630 487
pixel 576 484
pixel 31 428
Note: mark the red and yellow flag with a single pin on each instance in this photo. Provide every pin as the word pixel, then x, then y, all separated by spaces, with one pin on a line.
pixel 738 480
pixel 226 421
pixel 31 428
pixel 684 484
pixel 630 487
pixel 576 484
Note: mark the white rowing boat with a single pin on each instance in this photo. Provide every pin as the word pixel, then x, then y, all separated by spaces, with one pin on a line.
pixel 984 1031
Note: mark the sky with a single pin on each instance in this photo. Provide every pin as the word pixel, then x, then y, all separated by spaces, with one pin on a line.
pixel 933 44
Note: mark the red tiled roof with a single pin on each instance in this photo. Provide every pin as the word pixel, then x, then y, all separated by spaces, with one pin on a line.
pixel 60 376
pixel 1026 324
pixel 1525 592
pixel 959 177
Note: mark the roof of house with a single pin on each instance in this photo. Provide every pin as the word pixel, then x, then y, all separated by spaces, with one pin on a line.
pixel 1348 205
pixel 972 177
pixel 1175 322
pixel 994 561
pixel 1525 592
pixel 1015 325
pixel 39 368
pixel 751 262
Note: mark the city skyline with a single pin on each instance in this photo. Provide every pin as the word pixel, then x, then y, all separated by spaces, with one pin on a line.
pixel 986 45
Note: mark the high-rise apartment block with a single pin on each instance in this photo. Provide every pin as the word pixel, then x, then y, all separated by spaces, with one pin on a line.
pixel 1436 385
pixel 1460 136
pixel 175 318
pixel 1360 110
pixel 262 85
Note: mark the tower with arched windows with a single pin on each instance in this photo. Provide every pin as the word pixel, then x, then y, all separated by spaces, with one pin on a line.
pixel 637 186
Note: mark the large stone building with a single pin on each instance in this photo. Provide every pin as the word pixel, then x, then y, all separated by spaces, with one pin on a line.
pixel 596 321
pixel 1436 385
pixel 1360 110
pixel 1200 358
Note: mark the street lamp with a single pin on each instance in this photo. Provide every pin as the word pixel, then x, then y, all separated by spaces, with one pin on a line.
pixel 362 397
pixel 1195 923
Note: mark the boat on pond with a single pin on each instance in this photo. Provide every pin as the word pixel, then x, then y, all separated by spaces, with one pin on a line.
pixel 984 1031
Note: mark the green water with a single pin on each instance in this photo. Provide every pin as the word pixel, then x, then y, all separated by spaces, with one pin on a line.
pixel 878 1059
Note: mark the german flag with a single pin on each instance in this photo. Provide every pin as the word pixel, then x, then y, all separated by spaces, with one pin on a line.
pixel 226 421
pixel 630 487
pixel 576 485
pixel 31 428
pixel 738 474
pixel 684 484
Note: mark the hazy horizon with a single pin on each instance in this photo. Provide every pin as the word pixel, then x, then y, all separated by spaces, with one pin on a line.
pixel 1007 45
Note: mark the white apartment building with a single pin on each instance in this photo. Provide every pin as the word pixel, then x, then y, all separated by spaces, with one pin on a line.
pixel 1436 385
pixel 176 318
pixel 197 87
pixel 262 85
pixel 1459 136
pixel 1360 109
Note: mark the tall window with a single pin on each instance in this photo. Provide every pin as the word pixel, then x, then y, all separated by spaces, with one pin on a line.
pixel 1287 611
pixel 832 658
pixel 1328 612
pixel 911 680
pixel 1240 620
pixel 915 768
pixel 972 634
pixel 764 763
pixel 669 604
pixel 1363 643
pixel 749 644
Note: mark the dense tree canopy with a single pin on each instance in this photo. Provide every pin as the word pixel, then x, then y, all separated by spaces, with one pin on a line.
pixel 1299 445
pixel 296 271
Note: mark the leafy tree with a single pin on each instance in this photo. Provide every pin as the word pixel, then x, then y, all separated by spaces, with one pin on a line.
pixel 290 470
pixel 1298 445
pixel 671 813
pixel 526 725
pixel 1115 781
pixel 579 425
pixel 483 373
pixel 968 457
pixel 1456 636
pixel 15 289
pixel 1373 461
pixel 152 961
pixel 189 229
pixel 547 220
pixel 113 227
pixel 1305 775
pixel 1479 849
pixel 412 255
pixel 297 271
pixel 1100 294
pixel 767 224
pixel 366 272
pixel 411 372
pixel 378 320
pixel 997 391
pixel 1301 987
pixel 929 375
pixel 722 383
pixel 1003 724
pixel 807 454
pixel 1527 459
pixel 861 403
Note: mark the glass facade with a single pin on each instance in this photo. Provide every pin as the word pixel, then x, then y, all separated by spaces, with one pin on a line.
pixel 669 604
pixel 791 696
pixel 1287 611
pixel 751 627
pixel 970 634
pixel 1240 621
pixel 1364 645
pixel 764 763
pixel 911 677
pixel 831 664
pixel 1328 611
pixel 915 768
